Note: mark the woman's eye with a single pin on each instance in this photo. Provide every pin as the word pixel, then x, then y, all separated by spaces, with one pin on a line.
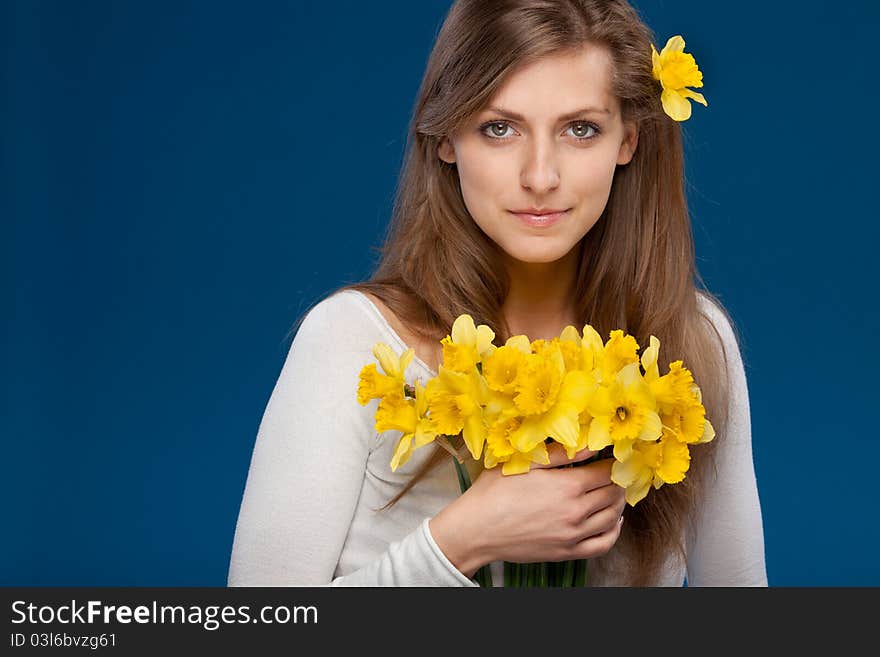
pixel 583 130
pixel 497 129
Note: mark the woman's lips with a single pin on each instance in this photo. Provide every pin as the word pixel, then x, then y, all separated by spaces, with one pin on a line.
pixel 540 220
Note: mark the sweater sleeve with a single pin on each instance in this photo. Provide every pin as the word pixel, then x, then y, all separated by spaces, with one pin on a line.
pixel 307 470
pixel 726 547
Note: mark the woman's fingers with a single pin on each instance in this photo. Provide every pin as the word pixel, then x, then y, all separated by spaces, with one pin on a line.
pixel 605 518
pixel 598 544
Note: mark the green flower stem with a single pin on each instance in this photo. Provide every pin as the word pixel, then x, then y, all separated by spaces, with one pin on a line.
pixel 568 574
pixel 580 572
pixel 483 575
pixel 544 574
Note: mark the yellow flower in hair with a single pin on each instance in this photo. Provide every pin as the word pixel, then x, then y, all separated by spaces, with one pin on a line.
pixel 677 70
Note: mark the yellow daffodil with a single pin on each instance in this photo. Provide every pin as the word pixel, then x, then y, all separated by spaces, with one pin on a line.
pixel 619 351
pixel 674 389
pixel 570 350
pixel 499 449
pixel 501 368
pixel 679 400
pixel 372 384
pixel 550 400
pixel 623 413
pixel 456 403
pixel 590 342
pixel 655 462
pixel 677 70
pixel 688 424
pixel 397 413
pixel 467 345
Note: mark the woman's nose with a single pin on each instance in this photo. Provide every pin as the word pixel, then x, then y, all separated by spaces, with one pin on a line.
pixel 540 170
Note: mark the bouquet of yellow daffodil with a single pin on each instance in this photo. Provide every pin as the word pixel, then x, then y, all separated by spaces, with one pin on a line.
pixel 509 402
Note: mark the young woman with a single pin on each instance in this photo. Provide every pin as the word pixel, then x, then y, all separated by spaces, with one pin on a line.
pixel 543 186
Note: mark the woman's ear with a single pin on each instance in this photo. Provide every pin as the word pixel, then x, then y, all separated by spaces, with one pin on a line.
pixel 630 142
pixel 445 151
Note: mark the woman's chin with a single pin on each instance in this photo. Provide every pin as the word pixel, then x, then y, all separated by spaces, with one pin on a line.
pixel 536 256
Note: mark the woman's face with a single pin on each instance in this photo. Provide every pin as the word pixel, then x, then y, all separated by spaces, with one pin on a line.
pixel 550 139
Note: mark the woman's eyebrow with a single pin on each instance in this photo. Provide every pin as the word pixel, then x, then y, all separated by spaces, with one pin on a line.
pixel 570 115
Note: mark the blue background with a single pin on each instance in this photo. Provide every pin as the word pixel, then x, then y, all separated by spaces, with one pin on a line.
pixel 182 179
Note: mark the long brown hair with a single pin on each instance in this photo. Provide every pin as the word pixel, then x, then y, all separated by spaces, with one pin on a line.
pixel 637 269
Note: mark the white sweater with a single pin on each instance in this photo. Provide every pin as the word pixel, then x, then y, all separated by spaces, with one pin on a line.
pixel 319 473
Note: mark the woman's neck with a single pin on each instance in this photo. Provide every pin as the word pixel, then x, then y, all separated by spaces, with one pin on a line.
pixel 540 302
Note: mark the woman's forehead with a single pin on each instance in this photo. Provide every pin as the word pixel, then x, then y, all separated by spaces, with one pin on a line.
pixel 558 84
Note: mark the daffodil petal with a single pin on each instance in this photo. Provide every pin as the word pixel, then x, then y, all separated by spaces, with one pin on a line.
pixel 563 425
pixel 577 388
pixel 403 452
pixel 387 358
pixel 708 433
pixel 540 454
pixel 520 343
pixel 677 107
pixel 624 473
pixel 474 434
pixel 530 433
pixel 601 403
pixel 636 493
pixel 676 460
pixel 425 433
pixel 405 360
pixel 629 375
pixel 688 93
pixel 464 331
pixel 600 434
pixel 655 63
pixel 623 449
pixel 570 334
pixel 652 428
pixel 517 464
pixel 484 338
pixel 674 44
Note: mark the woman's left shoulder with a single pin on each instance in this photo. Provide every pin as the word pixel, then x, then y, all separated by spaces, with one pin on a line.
pixel 721 322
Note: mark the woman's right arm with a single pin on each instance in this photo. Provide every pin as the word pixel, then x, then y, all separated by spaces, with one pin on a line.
pixel 307 470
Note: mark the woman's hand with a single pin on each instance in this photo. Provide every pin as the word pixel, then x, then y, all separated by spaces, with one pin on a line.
pixel 546 514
